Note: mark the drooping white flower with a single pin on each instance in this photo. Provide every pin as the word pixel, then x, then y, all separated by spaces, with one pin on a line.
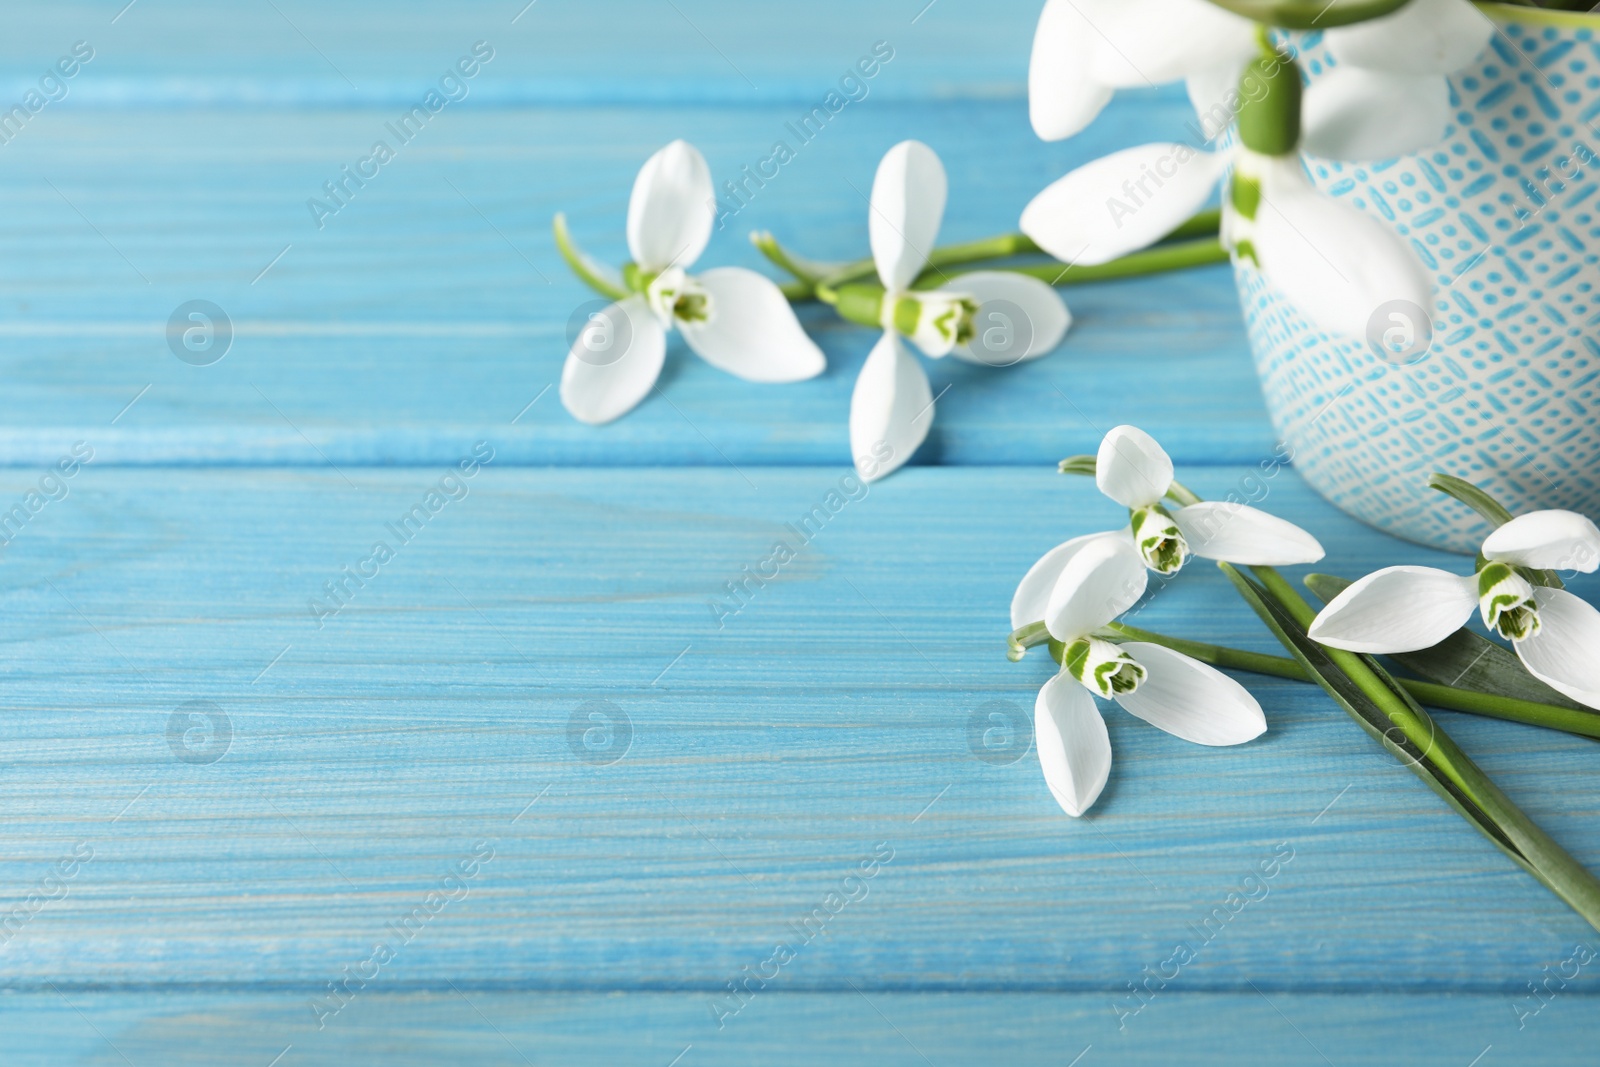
pixel 1556 634
pixel 1336 264
pixel 891 408
pixel 1132 469
pixel 1385 96
pixel 734 319
pixel 1103 578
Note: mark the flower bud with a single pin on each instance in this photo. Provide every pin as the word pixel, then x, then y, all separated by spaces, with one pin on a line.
pixel 1158 539
pixel 1505 600
pixel 1103 668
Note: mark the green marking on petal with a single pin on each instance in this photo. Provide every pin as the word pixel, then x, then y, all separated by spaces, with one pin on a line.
pixel 1102 667
pixel 1161 544
pixel 1505 600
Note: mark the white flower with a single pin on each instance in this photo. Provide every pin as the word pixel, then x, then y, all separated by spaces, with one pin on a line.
pixel 1167 689
pixel 1556 634
pixel 891 409
pixel 1334 263
pixel 734 319
pixel 1385 96
pixel 1132 469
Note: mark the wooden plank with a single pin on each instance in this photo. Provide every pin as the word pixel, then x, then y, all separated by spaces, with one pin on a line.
pixel 432 309
pixel 831 716
pixel 469 1025
pixel 299 53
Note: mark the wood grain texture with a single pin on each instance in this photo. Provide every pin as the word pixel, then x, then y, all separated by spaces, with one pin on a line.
pixel 445 710
pixel 432 309
pixel 468 1025
pixel 767 758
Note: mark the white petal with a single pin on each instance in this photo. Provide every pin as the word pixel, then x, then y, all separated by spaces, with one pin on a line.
pixel 1547 540
pixel 1423 37
pixel 1190 699
pixel 1364 115
pixel 614 362
pixel 1397 609
pixel 752 330
pixel 1122 202
pixel 1018 317
pixel 1338 266
pixel 1131 468
pixel 908 197
pixel 1565 653
pixel 672 208
pixel 1151 42
pixel 1074 749
pixel 1209 91
pixel 890 410
pixel 1099 582
pixel 1239 533
pixel 1032 597
pixel 1062 97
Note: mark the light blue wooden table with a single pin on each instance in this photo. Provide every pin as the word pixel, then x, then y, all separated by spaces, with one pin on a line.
pixel 622 871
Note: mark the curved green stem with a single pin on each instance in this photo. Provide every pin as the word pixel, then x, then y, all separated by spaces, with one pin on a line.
pixel 588 271
pixel 1450 698
pixel 1158 260
pixel 829 277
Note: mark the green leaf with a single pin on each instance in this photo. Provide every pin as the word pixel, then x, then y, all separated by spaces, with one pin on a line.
pixel 1471 496
pixel 1390 715
pixel 1464 660
pixel 1310 14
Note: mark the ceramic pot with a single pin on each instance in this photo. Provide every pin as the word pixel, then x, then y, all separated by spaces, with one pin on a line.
pixel 1505 388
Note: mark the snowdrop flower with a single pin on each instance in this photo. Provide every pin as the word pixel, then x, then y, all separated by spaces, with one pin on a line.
pixel 1132 469
pixel 891 408
pixel 1335 264
pixel 734 319
pixel 1167 689
pixel 1385 96
pixel 1555 634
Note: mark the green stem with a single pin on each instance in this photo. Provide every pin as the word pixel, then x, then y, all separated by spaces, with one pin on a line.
pixel 1155 260
pixel 587 271
pixel 1450 698
pixel 1490 809
pixel 1001 246
pixel 1160 259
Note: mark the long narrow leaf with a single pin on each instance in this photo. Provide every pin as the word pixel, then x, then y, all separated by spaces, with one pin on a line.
pixel 1438 761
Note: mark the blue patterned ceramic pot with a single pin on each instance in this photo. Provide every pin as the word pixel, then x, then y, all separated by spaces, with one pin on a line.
pixel 1504 214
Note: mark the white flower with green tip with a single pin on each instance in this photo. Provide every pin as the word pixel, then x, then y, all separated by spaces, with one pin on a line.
pixel 1132 469
pixel 1385 96
pixel 1555 634
pixel 1335 264
pixel 1171 691
pixel 891 409
pixel 734 319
